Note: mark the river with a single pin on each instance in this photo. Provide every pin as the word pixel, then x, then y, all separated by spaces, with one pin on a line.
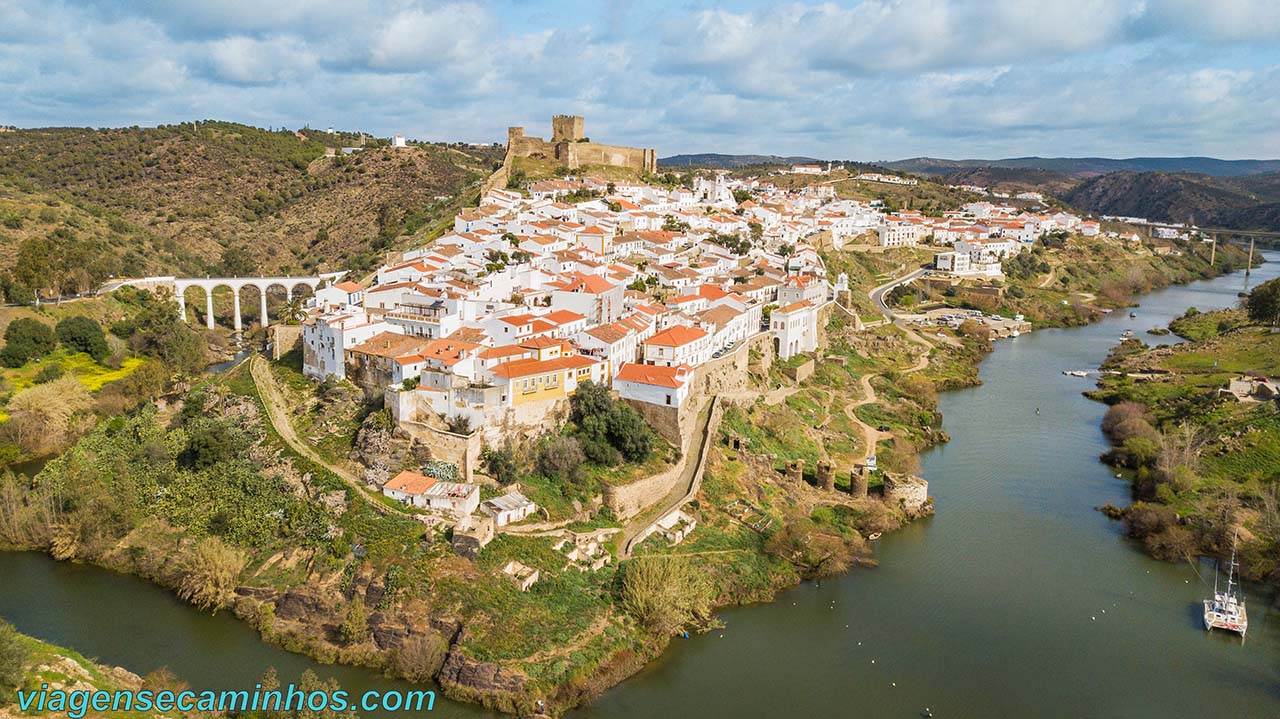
pixel 1018 599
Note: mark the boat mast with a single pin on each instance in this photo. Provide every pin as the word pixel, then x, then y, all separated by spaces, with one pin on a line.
pixel 1231 568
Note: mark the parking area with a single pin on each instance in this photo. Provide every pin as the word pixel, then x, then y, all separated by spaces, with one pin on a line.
pixel 953 318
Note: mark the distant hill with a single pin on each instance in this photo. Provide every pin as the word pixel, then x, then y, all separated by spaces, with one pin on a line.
pixel 729 162
pixel 78 204
pixel 1009 179
pixel 1242 202
pixel 1085 166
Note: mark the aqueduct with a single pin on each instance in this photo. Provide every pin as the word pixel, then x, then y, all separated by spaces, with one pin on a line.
pixel 235 284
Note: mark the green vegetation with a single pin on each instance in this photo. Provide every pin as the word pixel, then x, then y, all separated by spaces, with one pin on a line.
pixel 1202 463
pixel 78 205
pixel 25 340
pixel 13 659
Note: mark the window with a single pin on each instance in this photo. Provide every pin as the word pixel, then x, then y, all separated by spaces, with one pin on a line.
pixel 668 399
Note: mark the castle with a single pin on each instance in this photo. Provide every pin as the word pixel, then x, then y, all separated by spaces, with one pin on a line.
pixel 568 146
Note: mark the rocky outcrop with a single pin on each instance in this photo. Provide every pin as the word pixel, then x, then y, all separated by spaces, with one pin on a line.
pixel 462 672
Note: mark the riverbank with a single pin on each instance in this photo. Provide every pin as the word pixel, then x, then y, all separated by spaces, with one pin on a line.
pixel 1197 427
pixel 41 665
pixel 563 640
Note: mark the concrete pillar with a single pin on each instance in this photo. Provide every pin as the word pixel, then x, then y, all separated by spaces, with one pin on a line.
pixel 235 311
pixel 262 293
pixel 208 307
pixel 182 306
pixel 288 294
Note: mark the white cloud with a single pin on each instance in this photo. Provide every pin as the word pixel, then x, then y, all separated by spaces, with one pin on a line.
pixel 871 80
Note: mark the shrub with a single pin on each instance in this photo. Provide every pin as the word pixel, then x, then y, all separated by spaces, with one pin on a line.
pixel 82 334
pixel 13 658
pixel 665 594
pixel 49 373
pixel 211 443
pixel 209 574
pixel 561 458
pixel 1123 414
pixel 355 625
pixel 420 657
pixel 500 463
pixel 25 340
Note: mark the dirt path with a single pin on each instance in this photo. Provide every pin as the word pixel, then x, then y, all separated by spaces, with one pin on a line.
pixel 275 405
pixel 871 435
pixel 1053 275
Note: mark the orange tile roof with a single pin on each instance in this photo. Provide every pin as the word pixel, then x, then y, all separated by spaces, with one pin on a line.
pixel 349 286
pixel 410 482
pixel 677 336
pixel 391 345
pixel 530 367
pixel 653 374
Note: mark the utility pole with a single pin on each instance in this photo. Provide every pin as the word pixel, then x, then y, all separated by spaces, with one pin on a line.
pixel 1213 250
pixel 1249 267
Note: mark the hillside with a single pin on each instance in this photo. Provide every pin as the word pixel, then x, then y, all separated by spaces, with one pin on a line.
pixel 1011 179
pixel 1237 203
pixel 78 204
pixel 1085 166
pixel 729 162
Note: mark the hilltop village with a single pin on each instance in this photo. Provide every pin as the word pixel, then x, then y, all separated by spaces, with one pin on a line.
pixel 531 441
pixel 667 293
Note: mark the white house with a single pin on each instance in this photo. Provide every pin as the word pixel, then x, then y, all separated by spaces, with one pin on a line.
pixel 654 384
pixel 678 345
pixel 509 508
pixel 794 328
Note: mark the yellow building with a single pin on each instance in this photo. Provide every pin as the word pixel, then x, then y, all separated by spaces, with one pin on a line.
pixel 549 370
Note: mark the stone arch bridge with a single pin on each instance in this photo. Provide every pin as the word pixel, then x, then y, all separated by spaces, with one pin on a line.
pixel 179 286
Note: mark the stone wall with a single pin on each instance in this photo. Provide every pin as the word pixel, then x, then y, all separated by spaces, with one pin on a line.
pixel 462 450
pixel 800 372
pixel 668 422
pixel 284 338
pixel 907 491
pixel 565 148
pixel 628 500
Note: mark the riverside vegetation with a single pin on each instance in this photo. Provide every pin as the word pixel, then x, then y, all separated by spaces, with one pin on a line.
pixel 198 493
pixel 1203 464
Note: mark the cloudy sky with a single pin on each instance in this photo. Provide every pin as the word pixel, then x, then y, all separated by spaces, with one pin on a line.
pixel 868 80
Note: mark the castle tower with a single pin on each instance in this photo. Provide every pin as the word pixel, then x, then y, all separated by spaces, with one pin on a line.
pixel 858 482
pixel 567 128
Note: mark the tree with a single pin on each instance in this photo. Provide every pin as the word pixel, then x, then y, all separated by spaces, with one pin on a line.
pixel 42 418
pixel 561 458
pixel 209 573
pixel 629 434
pixel 162 334
pixel 355 625
pixel 421 656
pixel 211 443
pixel 665 594
pixel 590 400
pixel 236 262
pixel 500 463
pixel 26 339
pixel 13 658
pixel 294 311
pixel 82 334
pixel 1263 303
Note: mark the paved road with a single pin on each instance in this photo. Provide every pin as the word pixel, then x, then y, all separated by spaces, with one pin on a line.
pixel 878 294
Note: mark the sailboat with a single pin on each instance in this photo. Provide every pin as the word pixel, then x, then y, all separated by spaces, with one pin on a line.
pixel 1226 609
